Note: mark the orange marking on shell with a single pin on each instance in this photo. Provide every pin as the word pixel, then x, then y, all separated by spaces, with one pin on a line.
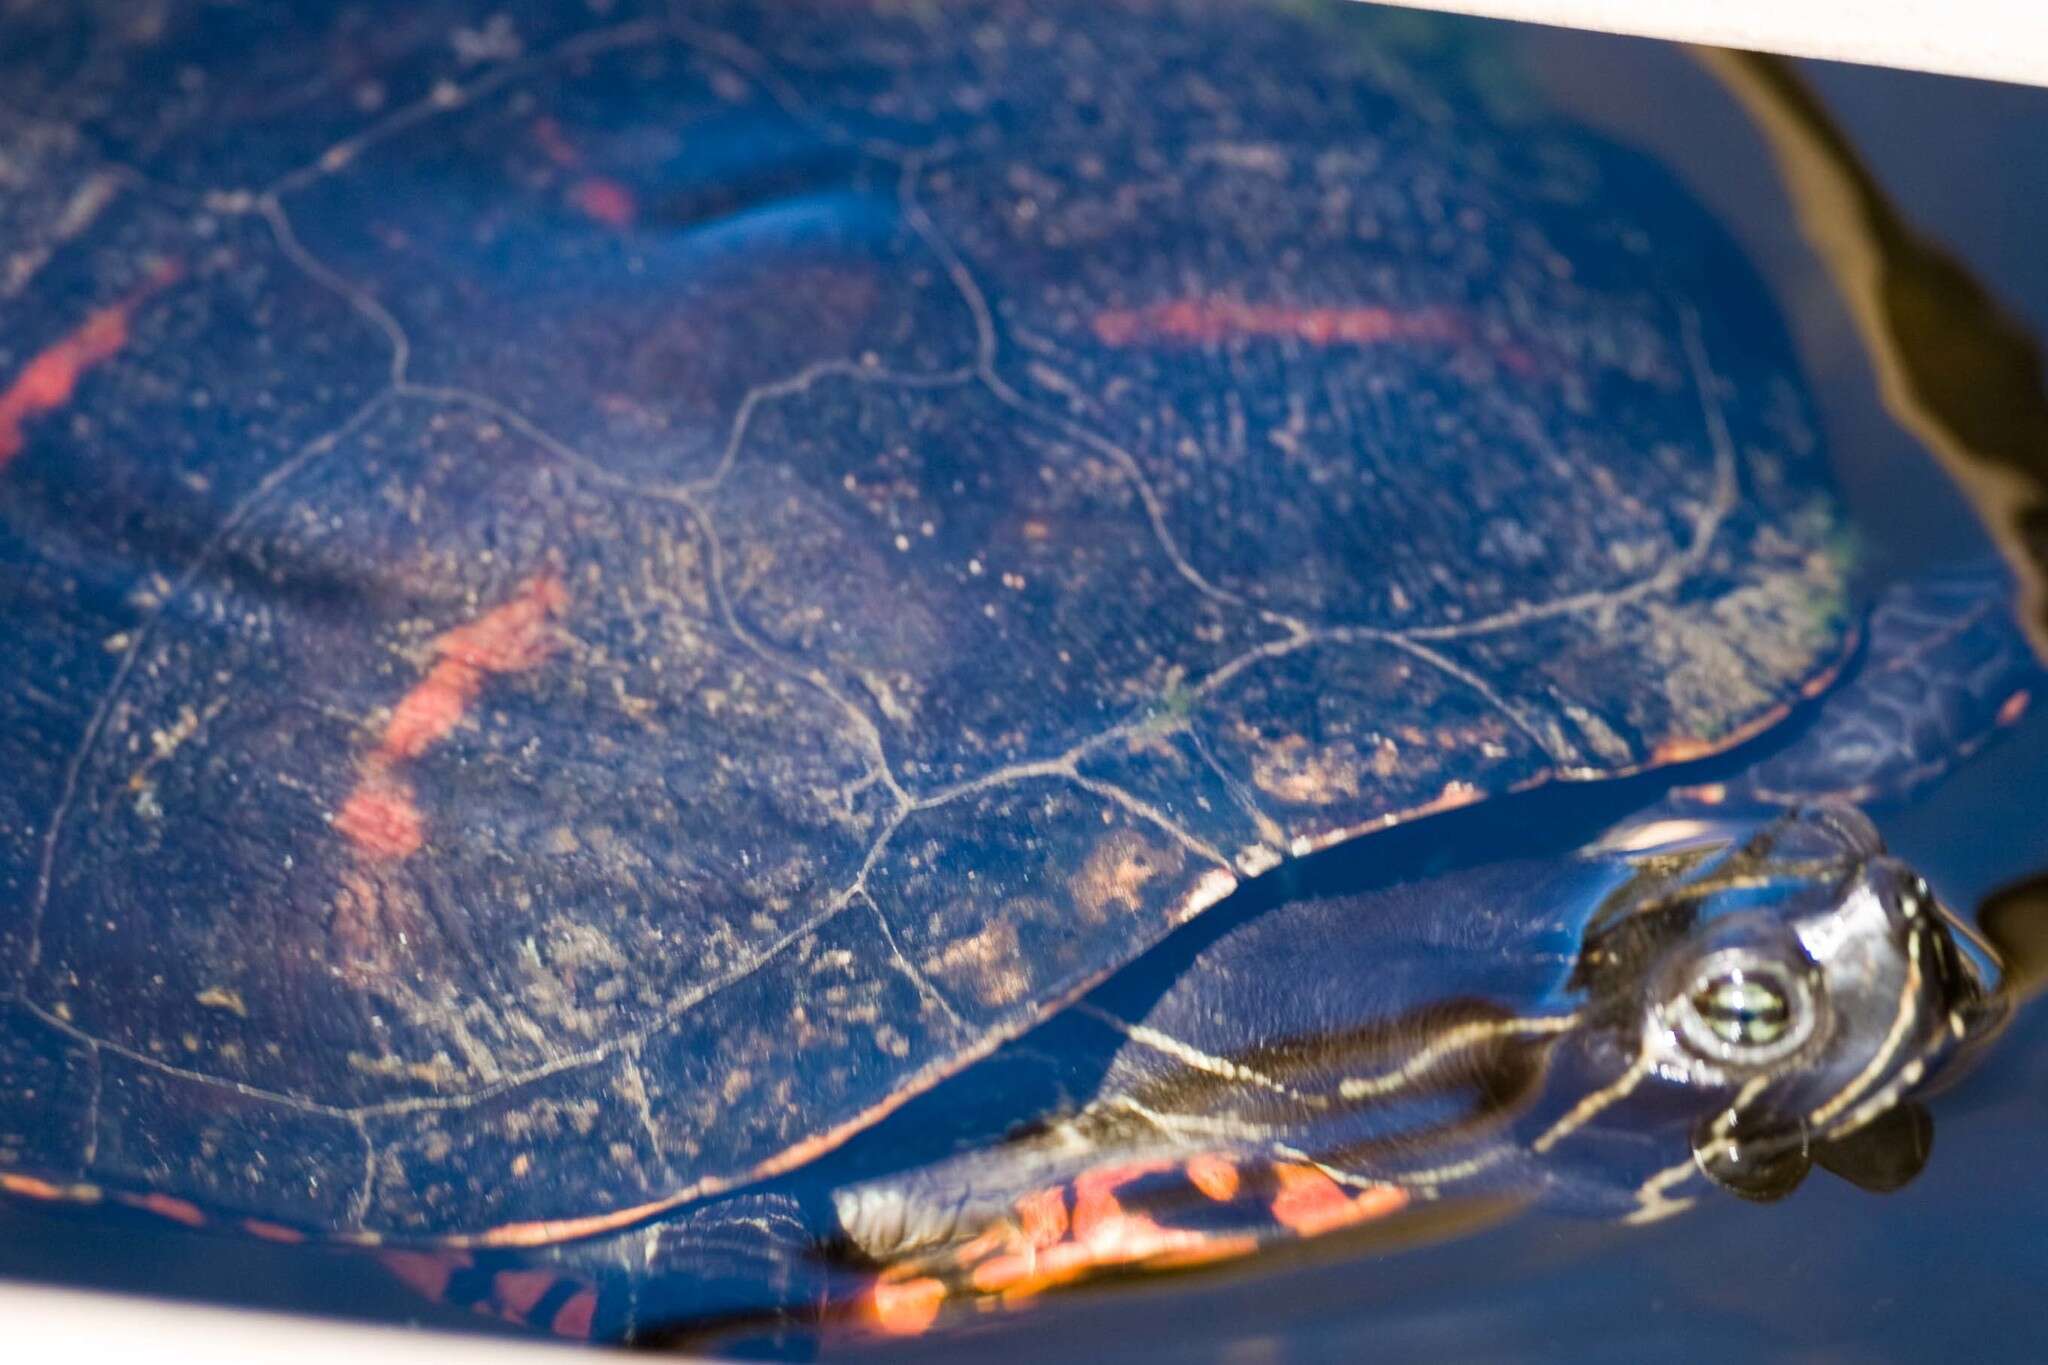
pixel 514 636
pixel 51 376
pixel 381 819
pixel 430 712
pixel 272 1232
pixel 1043 1216
pixel 1310 1203
pixel 1210 321
pixel 1215 1176
pixel 604 200
pixel 30 1187
pixel 167 1206
pixel 554 144
pixel 575 1317
pixel 906 1307
pixel 1682 750
pixel 516 1292
pixel 2014 707
pixel 425 1272
pixel 1686 748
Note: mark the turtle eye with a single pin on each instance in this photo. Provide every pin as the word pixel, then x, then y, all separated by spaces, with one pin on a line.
pixel 1743 1009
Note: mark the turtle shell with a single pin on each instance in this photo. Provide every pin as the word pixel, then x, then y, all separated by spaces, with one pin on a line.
pixel 596 602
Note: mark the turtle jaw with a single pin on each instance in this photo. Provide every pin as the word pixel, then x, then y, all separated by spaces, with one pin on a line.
pixel 1907 990
pixel 1904 996
pixel 1780 1009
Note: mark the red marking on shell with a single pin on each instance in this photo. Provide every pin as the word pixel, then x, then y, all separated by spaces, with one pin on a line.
pixel 597 197
pixel 51 376
pixel 272 1232
pixel 1687 748
pixel 29 1187
pixel 380 816
pixel 167 1206
pixel 514 636
pixel 381 819
pixel 1207 322
pixel 1310 1203
pixel 2014 707
pixel 574 1318
pixel 554 143
pixel 430 712
pixel 604 200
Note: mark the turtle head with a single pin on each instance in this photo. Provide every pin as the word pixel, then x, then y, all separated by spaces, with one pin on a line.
pixel 1786 997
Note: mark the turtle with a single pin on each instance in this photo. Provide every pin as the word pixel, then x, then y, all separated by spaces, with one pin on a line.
pixel 615 609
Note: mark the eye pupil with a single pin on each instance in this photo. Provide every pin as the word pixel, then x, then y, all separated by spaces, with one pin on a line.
pixel 1742 1010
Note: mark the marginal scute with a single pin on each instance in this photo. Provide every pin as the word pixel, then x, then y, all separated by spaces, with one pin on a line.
pixel 46 1106
pixel 180 1137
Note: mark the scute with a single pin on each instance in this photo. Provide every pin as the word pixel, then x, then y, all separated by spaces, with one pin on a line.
pixel 656 588
pixel 629 807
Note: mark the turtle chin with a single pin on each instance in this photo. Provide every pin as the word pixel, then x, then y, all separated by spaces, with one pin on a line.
pixel 1824 1025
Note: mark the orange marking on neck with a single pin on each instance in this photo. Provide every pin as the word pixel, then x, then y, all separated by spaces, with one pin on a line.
pixel 1207 322
pixel 51 376
pixel 1310 1203
pixel 425 1272
pixel 574 1318
pixel 1104 1235
pixel 1043 1216
pixel 380 816
pixel 1095 1201
pixel 517 1292
pixel 904 1308
pixel 1215 1176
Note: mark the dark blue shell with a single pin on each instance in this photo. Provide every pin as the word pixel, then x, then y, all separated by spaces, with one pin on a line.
pixel 592 603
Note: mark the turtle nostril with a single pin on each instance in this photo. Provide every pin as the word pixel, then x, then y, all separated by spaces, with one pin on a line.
pixel 1902 891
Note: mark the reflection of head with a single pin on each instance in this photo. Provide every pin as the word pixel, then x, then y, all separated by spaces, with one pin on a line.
pixel 1784 997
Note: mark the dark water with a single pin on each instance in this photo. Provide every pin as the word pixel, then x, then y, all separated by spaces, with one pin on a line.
pixel 1950 1266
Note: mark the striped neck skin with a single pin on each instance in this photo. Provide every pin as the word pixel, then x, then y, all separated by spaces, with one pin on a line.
pixel 1727 996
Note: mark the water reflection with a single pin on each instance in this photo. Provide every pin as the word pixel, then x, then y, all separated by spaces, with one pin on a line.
pixel 1955 367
